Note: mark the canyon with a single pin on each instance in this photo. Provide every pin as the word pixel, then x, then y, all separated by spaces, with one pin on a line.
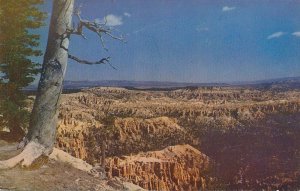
pixel 187 138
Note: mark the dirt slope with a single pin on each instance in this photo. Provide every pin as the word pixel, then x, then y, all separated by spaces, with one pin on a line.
pixel 54 176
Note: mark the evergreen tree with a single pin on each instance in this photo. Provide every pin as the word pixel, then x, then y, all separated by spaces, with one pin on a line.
pixel 18 45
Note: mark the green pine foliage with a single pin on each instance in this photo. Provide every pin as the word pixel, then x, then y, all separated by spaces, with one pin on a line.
pixel 18 46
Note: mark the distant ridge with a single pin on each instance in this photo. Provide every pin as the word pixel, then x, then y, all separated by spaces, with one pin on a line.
pixel 288 82
pixel 281 84
pixel 130 84
pixel 269 81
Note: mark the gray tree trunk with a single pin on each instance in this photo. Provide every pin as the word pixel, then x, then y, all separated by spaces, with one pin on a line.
pixel 44 115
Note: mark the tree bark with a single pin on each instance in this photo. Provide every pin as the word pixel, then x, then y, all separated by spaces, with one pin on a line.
pixel 43 122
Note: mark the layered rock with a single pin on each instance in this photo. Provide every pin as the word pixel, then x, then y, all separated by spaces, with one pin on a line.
pixel 183 104
pixel 131 135
pixel 179 167
pixel 152 120
pixel 137 118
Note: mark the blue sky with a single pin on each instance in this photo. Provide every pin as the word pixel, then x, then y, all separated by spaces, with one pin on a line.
pixel 190 41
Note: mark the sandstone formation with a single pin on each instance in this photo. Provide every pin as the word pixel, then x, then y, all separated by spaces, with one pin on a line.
pixel 141 119
pixel 146 121
pixel 180 167
pixel 131 135
pixel 183 104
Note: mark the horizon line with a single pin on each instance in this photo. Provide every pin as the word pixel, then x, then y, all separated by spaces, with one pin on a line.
pixel 161 81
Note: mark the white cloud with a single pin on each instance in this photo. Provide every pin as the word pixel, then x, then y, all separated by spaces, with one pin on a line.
pixel 111 20
pixel 297 33
pixel 276 35
pixel 226 8
pixel 127 14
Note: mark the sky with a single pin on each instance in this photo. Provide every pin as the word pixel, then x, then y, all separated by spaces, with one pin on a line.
pixel 198 41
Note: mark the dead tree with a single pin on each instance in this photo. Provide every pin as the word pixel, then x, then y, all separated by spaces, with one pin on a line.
pixel 42 130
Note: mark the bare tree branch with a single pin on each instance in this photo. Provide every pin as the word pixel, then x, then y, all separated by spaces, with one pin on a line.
pixel 72 31
pixel 102 61
pixel 98 28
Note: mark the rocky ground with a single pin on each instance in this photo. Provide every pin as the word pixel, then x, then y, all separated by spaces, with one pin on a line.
pixel 53 175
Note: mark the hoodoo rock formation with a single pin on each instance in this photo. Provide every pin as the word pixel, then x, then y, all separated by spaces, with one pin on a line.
pixel 131 135
pixel 145 123
pixel 180 167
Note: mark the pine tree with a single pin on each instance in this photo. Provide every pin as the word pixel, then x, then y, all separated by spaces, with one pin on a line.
pixel 18 46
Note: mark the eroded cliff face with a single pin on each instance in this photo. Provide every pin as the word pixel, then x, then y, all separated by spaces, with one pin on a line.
pixel 184 105
pixel 180 167
pixel 146 121
pixel 130 135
